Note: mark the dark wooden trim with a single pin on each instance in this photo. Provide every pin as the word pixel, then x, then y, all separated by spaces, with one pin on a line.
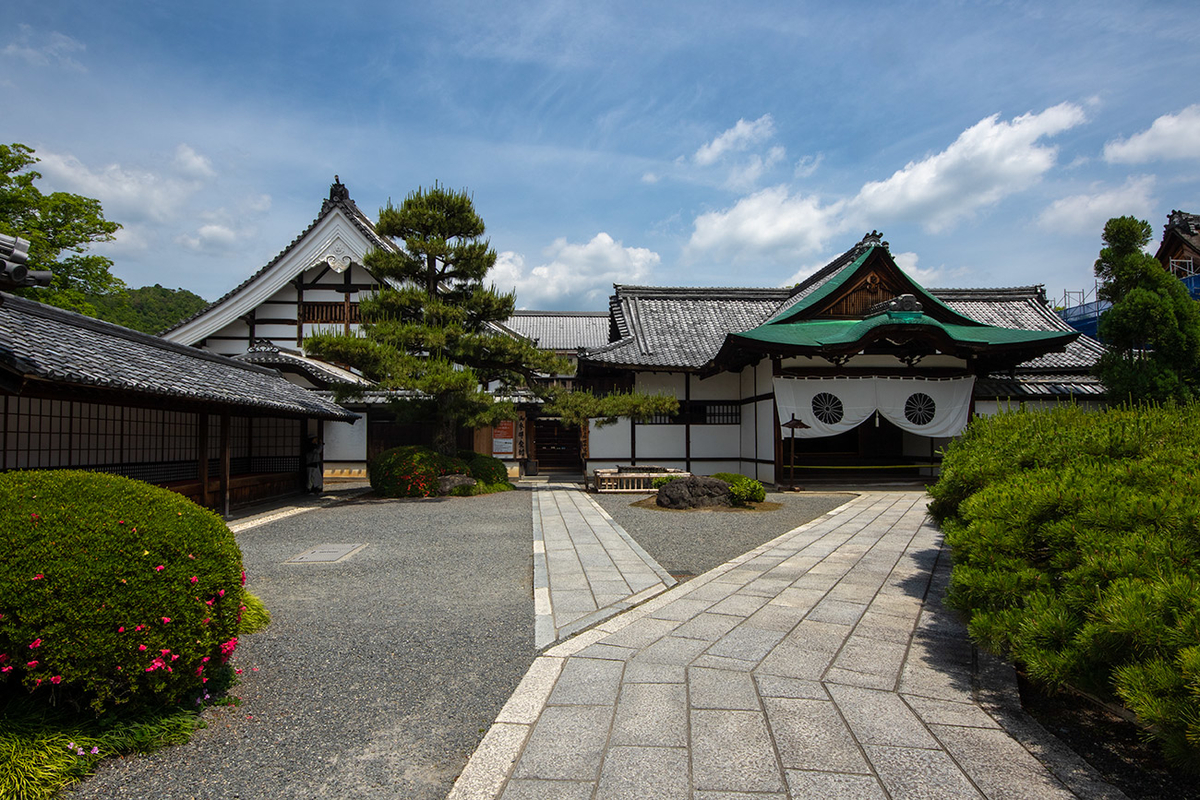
pixel 223 500
pixel 202 443
pixel 299 310
pixel 867 372
pixel 275 321
pixel 758 398
pixel 632 442
pixel 250 320
pixel 4 443
pixel 342 288
pixel 687 423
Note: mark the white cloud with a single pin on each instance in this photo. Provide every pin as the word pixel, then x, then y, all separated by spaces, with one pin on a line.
pixel 211 238
pixel 126 194
pixel 768 223
pixel 738 138
pixel 986 163
pixel 650 177
pixel 989 161
pixel 191 164
pixel 579 274
pixel 806 166
pixel 1087 213
pixel 53 49
pixel 1170 137
pixel 907 261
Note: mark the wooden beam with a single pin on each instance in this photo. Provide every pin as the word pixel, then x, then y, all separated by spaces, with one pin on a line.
pixel 223 500
pixel 202 461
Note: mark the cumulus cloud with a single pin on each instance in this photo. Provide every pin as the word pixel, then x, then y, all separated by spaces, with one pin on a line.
pixel 574 274
pixel 191 164
pixel 53 49
pixel 989 161
pixel 740 137
pixel 1087 213
pixel 126 193
pixel 1170 137
pixel 770 222
pixel 806 166
pixel 211 238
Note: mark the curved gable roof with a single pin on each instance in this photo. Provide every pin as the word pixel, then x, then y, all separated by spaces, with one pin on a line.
pixel 340 228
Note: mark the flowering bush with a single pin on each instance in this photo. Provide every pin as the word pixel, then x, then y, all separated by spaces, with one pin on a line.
pixel 485 469
pixel 113 593
pixel 411 471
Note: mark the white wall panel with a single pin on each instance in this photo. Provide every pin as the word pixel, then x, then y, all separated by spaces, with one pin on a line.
pixel 716 441
pixel 609 442
pixel 345 441
pixel 657 442
pixel 722 386
pixel 670 383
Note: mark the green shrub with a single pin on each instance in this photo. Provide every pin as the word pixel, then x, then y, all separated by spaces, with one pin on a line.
pixel 485 469
pixel 113 593
pixel 411 471
pixel 1076 544
pixel 742 490
pixel 658 483
pixel 255 615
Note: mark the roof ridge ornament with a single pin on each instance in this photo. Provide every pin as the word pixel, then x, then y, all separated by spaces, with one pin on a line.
pixel 874 239
pixel 338 193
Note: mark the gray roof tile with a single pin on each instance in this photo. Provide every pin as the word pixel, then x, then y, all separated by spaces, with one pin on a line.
pixel 42 343
pixel 561 330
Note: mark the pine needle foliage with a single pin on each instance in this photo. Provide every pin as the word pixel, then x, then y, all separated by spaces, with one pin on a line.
pixel 433 329
pixel 1076 544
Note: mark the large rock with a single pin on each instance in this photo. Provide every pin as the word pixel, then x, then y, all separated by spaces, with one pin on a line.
pixel 694 492
pixel 446 483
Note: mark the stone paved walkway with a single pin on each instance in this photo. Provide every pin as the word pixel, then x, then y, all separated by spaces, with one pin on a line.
pixel 820 665
pixel 586 567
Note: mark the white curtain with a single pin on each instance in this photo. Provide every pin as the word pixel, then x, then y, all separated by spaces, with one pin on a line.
pixel 829 406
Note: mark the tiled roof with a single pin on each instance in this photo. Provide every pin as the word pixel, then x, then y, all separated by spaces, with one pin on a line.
pixel 1024 307
pixel 338 198
pixel 42 343
pixel 266 354
pixel 561 330
pixel 1040 385
pixel 680 327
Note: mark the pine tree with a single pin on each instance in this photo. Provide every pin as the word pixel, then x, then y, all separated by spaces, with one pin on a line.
pixel 431 329
pixel 1152 330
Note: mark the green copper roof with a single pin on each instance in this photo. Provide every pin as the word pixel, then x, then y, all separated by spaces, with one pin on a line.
pixel 843 333
pixel 835 283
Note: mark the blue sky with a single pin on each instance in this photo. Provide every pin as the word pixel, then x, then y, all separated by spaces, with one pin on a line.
pixel 691 143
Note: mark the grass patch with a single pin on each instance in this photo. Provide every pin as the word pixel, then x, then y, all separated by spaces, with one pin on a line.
pixel 45 749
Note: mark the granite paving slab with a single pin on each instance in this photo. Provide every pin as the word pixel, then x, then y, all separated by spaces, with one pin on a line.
pixel 821 664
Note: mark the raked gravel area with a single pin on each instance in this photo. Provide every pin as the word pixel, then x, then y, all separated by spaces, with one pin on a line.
pixel 688 543
pixel 379 674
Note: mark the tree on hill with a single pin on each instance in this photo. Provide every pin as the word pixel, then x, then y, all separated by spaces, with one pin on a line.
pixel 150 309
pixel 60 227
pixel 1152 330
pixel 431 328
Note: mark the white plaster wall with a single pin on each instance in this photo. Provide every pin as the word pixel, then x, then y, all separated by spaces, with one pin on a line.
pixel 715 441
pixel 764 378
pixel 722 386
pixel 329 295
pixel 283 333
pixel 670 383
pixel 656 442
pixel 286 295
pixel 345 441
pixel 713 467
pixel 609 442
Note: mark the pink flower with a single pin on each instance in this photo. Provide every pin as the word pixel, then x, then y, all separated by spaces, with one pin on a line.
pixel 36 643
pixel 220 592
pixel 31 664
pixel 94 750
pixel 141 647
pixel 38 577
pixel 193 579
pixel 138 628
pixel 159 568
pixel 5 669
pixel 165 651
pixel 166 620
pixel 56 679
pixel 121 629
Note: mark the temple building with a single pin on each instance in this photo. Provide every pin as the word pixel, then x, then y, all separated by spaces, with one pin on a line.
pixel 858 366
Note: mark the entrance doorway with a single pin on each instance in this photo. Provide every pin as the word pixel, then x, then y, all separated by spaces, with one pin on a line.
pixel 556 447
pixel 876 447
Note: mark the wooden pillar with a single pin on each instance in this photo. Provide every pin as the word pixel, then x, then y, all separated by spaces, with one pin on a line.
pixel 202 461
pixel 223 499
pixel 687 421
pixel 299 309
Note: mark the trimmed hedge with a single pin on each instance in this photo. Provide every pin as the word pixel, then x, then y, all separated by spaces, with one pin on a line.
pixel 742 490
pixel 484 469
pixel 1076 544
pixel 411 471
pixel 113 593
